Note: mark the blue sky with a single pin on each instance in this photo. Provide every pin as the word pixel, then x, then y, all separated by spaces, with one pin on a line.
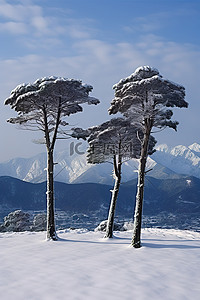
pixel 99 42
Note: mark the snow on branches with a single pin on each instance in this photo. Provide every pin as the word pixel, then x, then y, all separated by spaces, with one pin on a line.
pixel 117 137
pixel 49 94
pixel 145 95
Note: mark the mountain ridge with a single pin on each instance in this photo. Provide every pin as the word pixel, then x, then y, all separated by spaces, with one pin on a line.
pixel 89 202
pixel 32 194
pixel 166 162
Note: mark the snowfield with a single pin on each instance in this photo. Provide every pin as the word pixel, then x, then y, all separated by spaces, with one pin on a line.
pixel 82 265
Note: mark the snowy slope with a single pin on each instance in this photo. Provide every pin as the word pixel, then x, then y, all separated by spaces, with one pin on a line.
pixel 33 169
pixel 84 266
pixel 22 168
pixel 180 159
pixel 166 162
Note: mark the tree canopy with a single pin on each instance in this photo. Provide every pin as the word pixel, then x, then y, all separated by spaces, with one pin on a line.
pixel 45 102
pixel 115 137
pixel 145 94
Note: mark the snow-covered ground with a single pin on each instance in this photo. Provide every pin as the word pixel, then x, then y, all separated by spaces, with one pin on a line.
pixel 82 265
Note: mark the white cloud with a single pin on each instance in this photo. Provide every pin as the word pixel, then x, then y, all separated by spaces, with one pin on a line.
pixel 78 29
pixel 18 12
pixel 93 57
pixel 103 64
pixel 98 50
pixel 12 12
pixel 27 16
pixel 40 24
pixel 83 56
pixel 13 27
pixel 180 61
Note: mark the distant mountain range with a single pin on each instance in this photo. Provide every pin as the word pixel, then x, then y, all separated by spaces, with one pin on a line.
pixel 165 163
pixel 179 196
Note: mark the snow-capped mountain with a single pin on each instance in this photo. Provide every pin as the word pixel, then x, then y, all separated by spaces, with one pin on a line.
pixel 165 163
pixel 33 169
pixel 179 159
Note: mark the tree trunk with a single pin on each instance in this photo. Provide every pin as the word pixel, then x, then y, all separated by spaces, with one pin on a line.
pixel 51 231
pixel 140 190
pixel 115 191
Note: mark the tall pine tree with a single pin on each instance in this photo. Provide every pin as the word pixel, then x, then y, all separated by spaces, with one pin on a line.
pixel 145 98
pixel 45 106
pixel 115 141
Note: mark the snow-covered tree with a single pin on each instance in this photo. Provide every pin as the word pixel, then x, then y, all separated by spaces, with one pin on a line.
pixel 17 221
pixel 145 98
pixel 39 222
pixel 44 105
pixel 116 140
pixel 103 226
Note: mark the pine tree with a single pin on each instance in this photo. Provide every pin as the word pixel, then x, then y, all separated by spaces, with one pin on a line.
pixel 116 140
pixel 17 221
pixel 44 105
pixel 145 98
